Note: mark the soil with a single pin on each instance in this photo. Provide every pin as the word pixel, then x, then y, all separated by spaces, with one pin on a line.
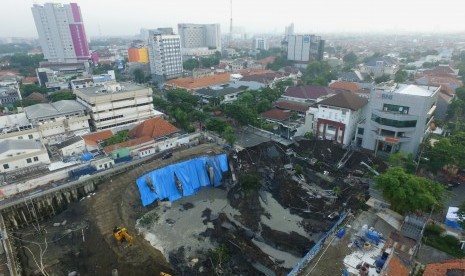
pixel 85 244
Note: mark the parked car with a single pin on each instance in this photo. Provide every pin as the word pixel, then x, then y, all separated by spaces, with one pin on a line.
pixel 167 155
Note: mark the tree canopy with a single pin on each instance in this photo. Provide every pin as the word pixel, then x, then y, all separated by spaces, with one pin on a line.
pixel 191 64
pixel 61 95
pixel 409 193
pixel 446 151
pixel 318 73
pixel 350 59
pixel 401 76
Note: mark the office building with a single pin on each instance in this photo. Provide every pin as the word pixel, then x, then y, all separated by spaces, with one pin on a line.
pixel 117 105
pixel 289 30
pixel 139 55
pixel 260 43
pixel 200 36
pixel 304 48
pixel 165 54
pixel 398 118
pixel 62 35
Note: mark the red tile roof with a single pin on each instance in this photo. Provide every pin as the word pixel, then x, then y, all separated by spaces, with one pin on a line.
pixel 276 114
pixel 28 80
pixel 191 83
pixel 345 99
pixel 154 128
pixel 38 97
pixel 94 138
pixel 130 143
pixel 396 267
pixel 295 106
pixel 345 85
pixel 440 269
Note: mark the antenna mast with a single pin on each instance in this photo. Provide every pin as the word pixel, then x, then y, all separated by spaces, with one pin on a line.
pixel 230 24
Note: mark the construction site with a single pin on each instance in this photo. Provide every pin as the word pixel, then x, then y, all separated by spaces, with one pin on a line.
pixel 253 211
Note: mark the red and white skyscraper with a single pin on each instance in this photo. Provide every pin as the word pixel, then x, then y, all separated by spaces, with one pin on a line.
pixel 61 32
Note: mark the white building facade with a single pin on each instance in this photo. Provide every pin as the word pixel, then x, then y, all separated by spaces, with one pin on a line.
pixel 260 43
pixel 117 104
pixel 200 36
pixel 304 48
pixel 165 56
pixel 398 118
pixel 19 154
pixel 61 32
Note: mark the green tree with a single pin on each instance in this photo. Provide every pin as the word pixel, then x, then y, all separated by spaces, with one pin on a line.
pixel 298 169
pixel 190 64
pixel 182 118
pixel 216 124
pixel 278 63
pixel 229 135
pixel 401 76
pixel 409 193
pixel 382 78
pixel 61 95
pixel 117 138
pixel 350 59
pixel 139 75
pixel 403 160
pixel 26 102
pixel 28 89
pixel 319 73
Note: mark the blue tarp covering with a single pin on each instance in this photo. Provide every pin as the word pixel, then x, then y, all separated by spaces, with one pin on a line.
pixel 453 224
pixel 341 233
pixel 86 156
pixel 191 173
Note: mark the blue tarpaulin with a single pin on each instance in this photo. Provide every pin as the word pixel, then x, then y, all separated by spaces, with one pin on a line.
pixel 192 174
pixel 86 156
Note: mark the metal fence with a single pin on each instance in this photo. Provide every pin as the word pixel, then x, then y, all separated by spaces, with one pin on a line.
pixel 316 248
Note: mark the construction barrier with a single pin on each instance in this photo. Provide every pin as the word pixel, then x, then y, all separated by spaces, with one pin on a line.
pixel 316 248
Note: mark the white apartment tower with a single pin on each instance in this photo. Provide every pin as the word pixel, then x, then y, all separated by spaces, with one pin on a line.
pixel 260 43
pixel 165 54
pixel 61 32
pixel 200 36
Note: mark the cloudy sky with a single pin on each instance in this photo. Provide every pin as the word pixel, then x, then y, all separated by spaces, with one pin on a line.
pixel 126 17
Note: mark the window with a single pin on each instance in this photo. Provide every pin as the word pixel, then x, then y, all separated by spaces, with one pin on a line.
pixel 393 123
pixel 20 137
pixel 396 108
pixel 6 166
pixel 360 130
pixel 30 136
pixel 28 160
pixel 36 158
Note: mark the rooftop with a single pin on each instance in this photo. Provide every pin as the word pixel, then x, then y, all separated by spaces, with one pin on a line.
pixel 191 83
pixel 53 109
pixel 346 85
pixel 211 92
pixel 276 114
pixel 415 90
pixel 110 88
pixel 445 268
pixel 129 143
pixel 291 105
pixel 308 92
pixel 94 138
pixel 69 142
pixel 154 128
pixel 345 99
pixel 11 144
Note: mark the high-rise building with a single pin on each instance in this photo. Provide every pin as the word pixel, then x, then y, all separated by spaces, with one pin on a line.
pixel 289 30
pixel 304 48
pixel 200 36
pixel 138 52
pixel 260 43
pixel 165 54
pixel 61 32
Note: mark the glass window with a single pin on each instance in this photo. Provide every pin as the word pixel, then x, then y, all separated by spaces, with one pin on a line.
pixel 29 160
pixel 396 108
pixel 36 158
pixel 393 123
pixel 6 166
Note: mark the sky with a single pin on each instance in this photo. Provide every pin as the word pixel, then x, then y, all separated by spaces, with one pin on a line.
pixel 127 17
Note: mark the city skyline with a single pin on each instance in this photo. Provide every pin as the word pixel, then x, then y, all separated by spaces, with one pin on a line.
pixel 332 16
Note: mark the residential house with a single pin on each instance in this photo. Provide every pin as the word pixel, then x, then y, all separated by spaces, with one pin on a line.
pixel 337 117
pixel 308 93
pixel 72 146
pixel 378 66
pixel 94 139
pixel 449 267
pixel 19 154
pixel 221 94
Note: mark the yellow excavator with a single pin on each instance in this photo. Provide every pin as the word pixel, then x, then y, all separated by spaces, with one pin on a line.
pixel 122 235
